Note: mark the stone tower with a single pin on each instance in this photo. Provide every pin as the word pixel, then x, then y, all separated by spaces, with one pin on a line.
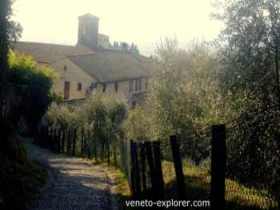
pixel 88 31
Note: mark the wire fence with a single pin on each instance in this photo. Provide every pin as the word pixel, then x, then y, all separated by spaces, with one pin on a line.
pixel 147 168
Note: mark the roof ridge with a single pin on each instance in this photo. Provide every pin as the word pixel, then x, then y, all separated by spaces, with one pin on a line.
pixel 46 43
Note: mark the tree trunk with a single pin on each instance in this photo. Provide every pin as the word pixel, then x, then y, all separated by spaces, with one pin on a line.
pixel 5 129
pixel 277 73
pixel 3 44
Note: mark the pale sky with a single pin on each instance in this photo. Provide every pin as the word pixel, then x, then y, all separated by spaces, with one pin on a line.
pixel 143 22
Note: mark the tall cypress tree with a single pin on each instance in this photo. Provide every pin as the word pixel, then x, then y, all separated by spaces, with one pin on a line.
pixel 4 11
pixel 6 126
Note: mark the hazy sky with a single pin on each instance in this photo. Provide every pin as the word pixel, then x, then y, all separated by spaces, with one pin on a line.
pixel 143 22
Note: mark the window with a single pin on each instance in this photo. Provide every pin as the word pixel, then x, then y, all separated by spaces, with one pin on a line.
pixel 136 85
pixel 130 88
pixel 93 86
pixel 116 86
pixel 66 89
pixel 133 104
pixel 146 83
pixel 104 88
pixel 79 87
pixel 140 84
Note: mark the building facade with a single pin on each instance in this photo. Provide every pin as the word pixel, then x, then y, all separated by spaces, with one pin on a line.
pixel 93 63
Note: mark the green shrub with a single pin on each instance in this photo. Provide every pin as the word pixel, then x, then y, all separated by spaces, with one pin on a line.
pixel 32 84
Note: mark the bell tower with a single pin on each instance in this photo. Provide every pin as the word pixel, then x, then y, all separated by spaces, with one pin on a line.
pixel 88 30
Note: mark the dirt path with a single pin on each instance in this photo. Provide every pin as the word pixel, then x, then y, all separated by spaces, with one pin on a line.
pixel 73 184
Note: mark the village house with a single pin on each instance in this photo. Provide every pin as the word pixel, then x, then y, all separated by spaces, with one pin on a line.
pixel 94 63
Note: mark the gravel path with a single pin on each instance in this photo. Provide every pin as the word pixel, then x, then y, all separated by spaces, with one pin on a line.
pixel 73 183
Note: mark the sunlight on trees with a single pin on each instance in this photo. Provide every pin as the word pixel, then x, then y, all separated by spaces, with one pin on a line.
pixel 33 83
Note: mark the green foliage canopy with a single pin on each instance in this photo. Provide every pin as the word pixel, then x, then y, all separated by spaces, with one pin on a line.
pixel 250 58
pixel 32 83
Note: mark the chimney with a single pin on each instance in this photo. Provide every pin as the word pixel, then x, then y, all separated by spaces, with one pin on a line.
pixel 88 30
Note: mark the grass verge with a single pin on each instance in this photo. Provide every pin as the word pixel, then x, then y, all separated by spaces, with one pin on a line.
pixel 238 196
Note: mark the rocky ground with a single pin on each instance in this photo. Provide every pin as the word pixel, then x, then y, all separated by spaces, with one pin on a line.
pixel 73 183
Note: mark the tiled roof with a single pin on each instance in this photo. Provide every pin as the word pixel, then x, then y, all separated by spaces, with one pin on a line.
pixel 111 65
pixel 103 65
pixel 49 53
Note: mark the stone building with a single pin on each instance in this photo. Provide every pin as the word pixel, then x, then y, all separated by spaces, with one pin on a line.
pixel 93 63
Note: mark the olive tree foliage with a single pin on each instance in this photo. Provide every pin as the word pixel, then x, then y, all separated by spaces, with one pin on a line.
pixel 101 116
pixel 185 97
pixel 138 125
pixel 104 113
pixel 249 53
pixel 250 44
pixel 62 116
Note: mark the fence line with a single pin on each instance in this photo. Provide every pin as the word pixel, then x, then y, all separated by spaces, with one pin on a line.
pixel 141 161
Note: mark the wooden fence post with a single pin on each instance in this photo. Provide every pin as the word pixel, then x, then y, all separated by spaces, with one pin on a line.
pixel 94 148
pixel 68 141
pixel 55 140
pixel 124 161
pixel 82 142
pixel 158 170
pixel 218 167
pixel 108 151
pixel 74 138
pixel 135 175
pixel 103 151
pixel 46 136
pixel 114 153
pixel 181 188
pixel 63 140
pixel 132 169
pixel 52 139
pixel 152 173
pixel 37 136
pixel 43 136
pixel 143 167
pixel 58 139
pixel 47 142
